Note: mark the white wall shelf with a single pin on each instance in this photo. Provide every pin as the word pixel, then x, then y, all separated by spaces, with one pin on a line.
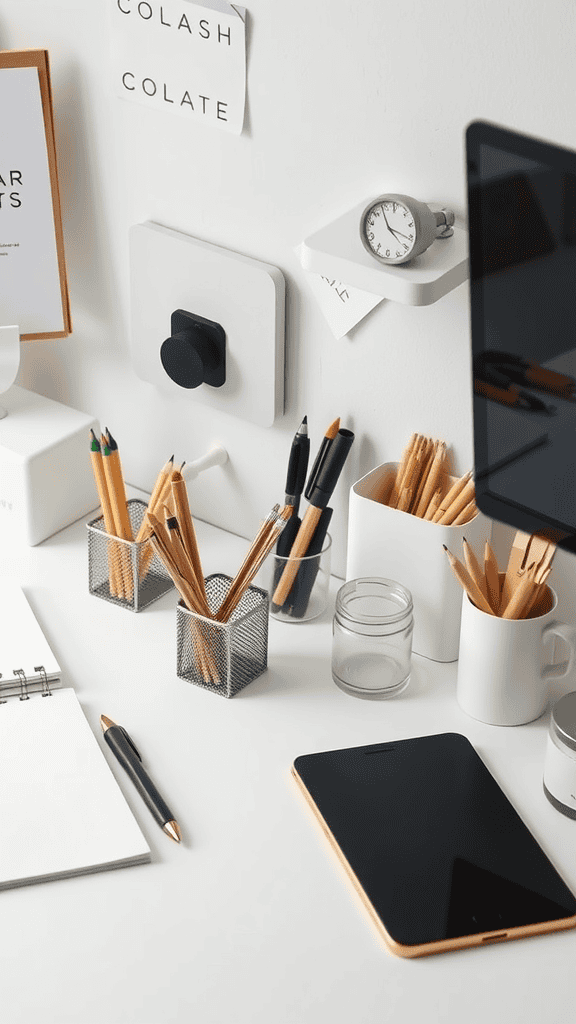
pixel 336 250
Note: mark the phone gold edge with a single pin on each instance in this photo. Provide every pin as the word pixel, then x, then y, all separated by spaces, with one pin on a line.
pixel 442 945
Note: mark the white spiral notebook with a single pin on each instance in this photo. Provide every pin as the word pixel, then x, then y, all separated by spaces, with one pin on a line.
pixel 63 812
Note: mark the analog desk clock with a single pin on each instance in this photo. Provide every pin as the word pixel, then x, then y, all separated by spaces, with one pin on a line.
pixel 395 228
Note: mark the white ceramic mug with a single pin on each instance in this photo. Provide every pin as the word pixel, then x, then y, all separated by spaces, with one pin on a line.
pixel 503 667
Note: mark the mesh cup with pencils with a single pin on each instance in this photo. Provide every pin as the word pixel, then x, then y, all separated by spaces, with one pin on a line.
pixel 121 571
pixel 223 657
pixel 121 567
pixel 222 623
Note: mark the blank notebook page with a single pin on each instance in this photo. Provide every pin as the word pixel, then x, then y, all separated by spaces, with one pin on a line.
pixel 62 810
pixel 23 643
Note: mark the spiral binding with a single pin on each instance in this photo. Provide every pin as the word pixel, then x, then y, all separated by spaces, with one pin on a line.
pixel 24 695
pixel 21 675
pixel 46 691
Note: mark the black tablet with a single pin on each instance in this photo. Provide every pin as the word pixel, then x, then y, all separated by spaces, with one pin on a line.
pixel 433 846
pixel 522 231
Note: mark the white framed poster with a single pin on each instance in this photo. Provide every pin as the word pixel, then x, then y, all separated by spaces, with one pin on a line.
pixel 33 285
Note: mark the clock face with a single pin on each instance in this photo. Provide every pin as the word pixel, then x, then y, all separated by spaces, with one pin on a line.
pixel 389 231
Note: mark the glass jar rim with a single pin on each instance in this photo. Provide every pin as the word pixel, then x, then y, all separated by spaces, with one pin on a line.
pixel 352 587
pixel 305 558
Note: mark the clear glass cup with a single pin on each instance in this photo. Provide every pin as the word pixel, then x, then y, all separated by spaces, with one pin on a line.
pixel 372 638
pixel 308 595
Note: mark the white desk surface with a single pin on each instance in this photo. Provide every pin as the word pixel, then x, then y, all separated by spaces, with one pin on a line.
pixel 251 920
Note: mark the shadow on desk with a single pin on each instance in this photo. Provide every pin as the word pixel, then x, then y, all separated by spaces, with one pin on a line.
pixel 291 673
pixel 299 673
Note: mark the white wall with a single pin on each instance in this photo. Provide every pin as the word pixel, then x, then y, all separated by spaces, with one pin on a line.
pixel 344 101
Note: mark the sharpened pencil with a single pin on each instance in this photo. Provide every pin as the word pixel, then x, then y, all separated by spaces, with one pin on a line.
pixel 114 574
pixel 466 581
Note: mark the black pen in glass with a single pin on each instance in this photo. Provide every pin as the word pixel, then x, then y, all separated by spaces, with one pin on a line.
pixel 126 753
pixel 320 494
pixel 295 480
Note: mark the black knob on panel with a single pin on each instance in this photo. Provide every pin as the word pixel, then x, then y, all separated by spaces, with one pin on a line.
pixel 187 356
pixel 195 353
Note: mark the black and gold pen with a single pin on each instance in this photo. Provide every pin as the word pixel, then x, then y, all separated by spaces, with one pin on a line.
pixel 126 753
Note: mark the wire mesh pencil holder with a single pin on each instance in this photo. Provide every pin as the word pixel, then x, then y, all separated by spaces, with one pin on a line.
pixel 127 573
pixel 223 656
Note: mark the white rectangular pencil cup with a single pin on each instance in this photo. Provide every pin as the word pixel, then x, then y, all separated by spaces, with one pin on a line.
pixel 397 545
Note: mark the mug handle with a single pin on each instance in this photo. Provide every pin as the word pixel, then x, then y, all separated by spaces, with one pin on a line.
pixel 566 633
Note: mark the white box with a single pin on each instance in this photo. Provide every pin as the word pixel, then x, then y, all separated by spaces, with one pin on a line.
pixel 385 542
pixel 46 479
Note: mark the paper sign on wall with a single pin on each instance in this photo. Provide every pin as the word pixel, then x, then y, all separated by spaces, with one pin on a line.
pixel 343 306
pixel 182 56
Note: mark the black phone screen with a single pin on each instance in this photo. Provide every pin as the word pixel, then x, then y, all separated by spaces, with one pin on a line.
pixel 435 845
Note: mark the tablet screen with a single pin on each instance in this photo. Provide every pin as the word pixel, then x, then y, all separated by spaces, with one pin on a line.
pixel 433 844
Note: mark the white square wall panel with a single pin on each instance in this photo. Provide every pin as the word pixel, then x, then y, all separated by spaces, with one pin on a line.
pixel 169 271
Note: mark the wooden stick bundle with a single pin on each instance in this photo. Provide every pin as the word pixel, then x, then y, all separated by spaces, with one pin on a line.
pixel 421 485
pixel 520 592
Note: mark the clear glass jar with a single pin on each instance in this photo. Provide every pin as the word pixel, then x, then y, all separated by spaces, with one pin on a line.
pixel 372 638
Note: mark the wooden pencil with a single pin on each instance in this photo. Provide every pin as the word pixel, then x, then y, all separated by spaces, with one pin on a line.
pixel 451 496
pixel 466 581
pixel 114 574
pixel 252 563
pixel 535 603
pixel 433 505
pixel 404 500
pixel 405 469
pixel 162 495
pixel 415 469
pixel 433 477
pixel 492 577
pixel 182 511
pixel 201 643
pixel 184 562
pixel 424 464
pixel 521 595
pixel 516 560
pixel 468 512
pixel 297 551
pixel 116 488
pixel 118 502
pixel 395 493
pixel 156 491
pixel 164 552
pixel 203 657
pixel 455 506
pixel 474 568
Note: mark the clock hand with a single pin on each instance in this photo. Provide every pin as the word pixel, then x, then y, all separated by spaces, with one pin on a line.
pixel 396 232
pixel 392 230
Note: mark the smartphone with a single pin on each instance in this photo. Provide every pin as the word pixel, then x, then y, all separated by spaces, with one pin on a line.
pixel 434 848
